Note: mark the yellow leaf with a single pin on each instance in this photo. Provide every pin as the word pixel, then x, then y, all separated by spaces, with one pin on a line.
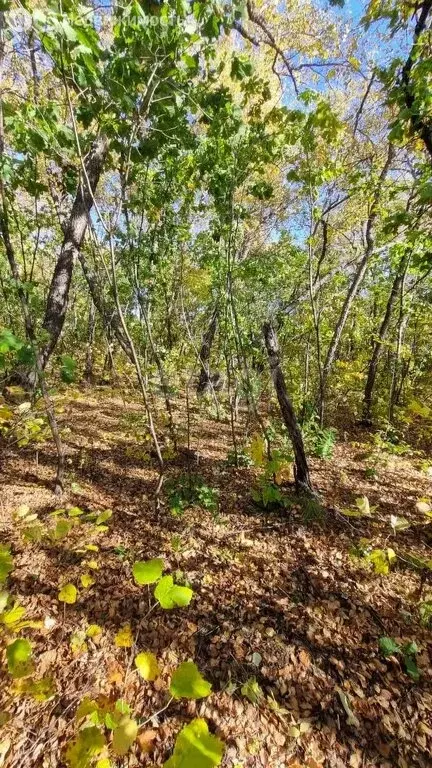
pixel 147 666
pixel 78 644
pixel 124 638
pixel 86 580
pixel 124 735
pixel 391 555
pixel 257 449
pixel 93 564
pixel 94 630
pixel 68 594
pixel 104 762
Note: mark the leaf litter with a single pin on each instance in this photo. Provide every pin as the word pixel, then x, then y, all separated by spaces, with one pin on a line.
pixel 285 622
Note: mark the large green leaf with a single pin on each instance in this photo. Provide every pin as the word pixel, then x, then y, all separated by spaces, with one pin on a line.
pixel 195 747
pixel 147 571
pixel 188 683
pixel 388 646
pixel 169 594
pixel 19 659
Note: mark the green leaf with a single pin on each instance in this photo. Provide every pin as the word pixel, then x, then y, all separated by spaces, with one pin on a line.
pixel 147 572
pixel 241 66
pixel 62 529
pixel 412 668
pixel 68 594
pixel 18 656
pixel 75 512
pixel 103 516
pixel 124 735
pixel 88 744
pixel 252 690
pixel 388 646
pixel 6 562
pixel 13 615
pixel 147 666
pixel 195 747
pixel 188 683
pixel 169 594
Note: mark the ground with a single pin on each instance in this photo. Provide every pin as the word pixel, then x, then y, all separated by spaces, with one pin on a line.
pixel 278 596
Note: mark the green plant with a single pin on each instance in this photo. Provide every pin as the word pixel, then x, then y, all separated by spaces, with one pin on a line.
pixel 319 441
pixel 425 611
pixel 243 458
pixel 312 510
pixel 68 369
pixel 189 490
pixel 390 440
pixel 23 424
pixel 96 716
pixel 268 495
pixel 389 647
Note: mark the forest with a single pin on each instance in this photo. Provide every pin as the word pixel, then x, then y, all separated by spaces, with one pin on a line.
pixel 216 383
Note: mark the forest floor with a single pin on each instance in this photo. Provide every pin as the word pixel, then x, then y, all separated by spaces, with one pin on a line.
pixel 278 596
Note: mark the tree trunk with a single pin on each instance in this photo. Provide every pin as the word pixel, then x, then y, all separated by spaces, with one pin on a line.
pixel 204 381
pixel 28 320
pixel 88 370
pixel 377 347
pixel 359 273
pixel 420 125
pixel 74 232
pixel 302 476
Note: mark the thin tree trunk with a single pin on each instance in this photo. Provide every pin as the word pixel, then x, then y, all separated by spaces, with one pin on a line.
pixel 302 477
pixel 159 365
pixel 360 271
pixel 204 381
pixel 74 233
pixel 88 370
pixel 378 344
pixel 402 322
pixel 28 322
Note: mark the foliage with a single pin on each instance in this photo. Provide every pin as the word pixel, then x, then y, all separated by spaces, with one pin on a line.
pixel 408 651
pixel 196 746
pixel 189 490
pixel 268 495
pixel 320 441
pixel 173 176
pixel 188 683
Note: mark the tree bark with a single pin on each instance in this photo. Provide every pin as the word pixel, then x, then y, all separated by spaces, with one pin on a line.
pixel 204 381
pixel 74 233
pixel 422 127
pixel 302 477
pixel 377 347
pixel 88 370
